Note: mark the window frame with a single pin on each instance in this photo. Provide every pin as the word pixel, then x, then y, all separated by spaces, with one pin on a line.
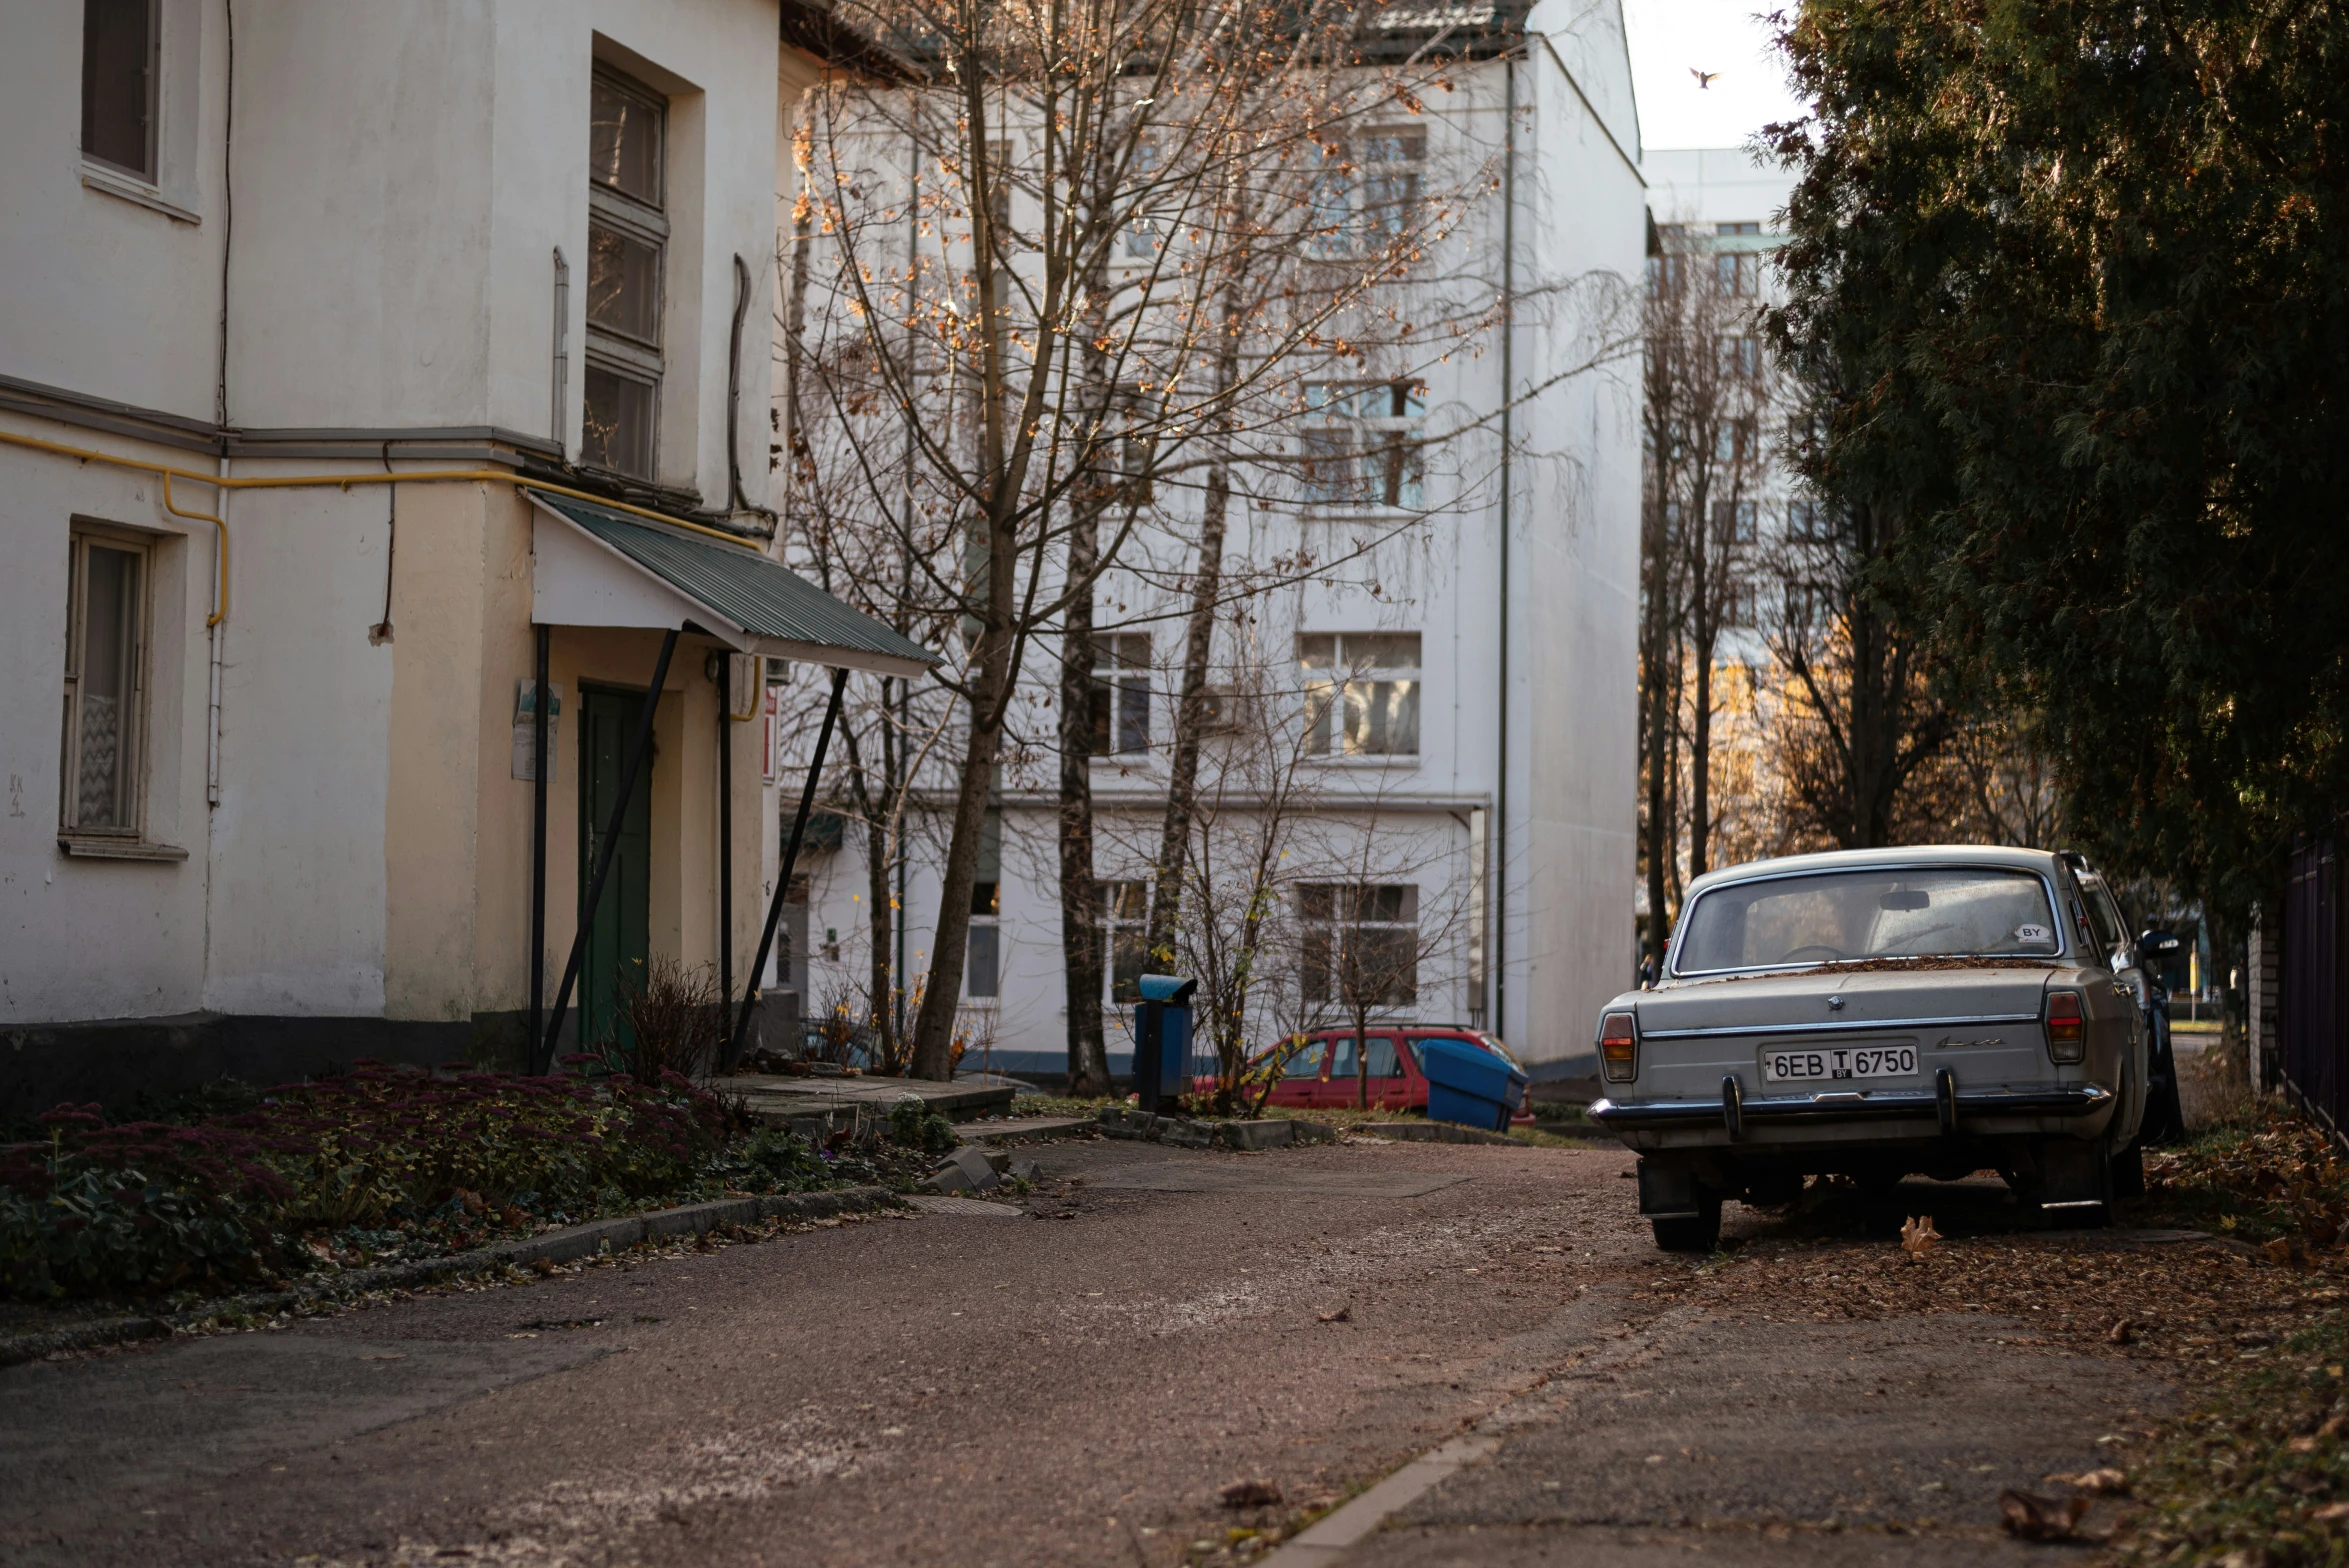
pixel 1120 686
pixel 1330 688
pixel 149 173
pixel 1377 460
pixel 85 534
pixel 613 351
pixel 1125 913
pixel 1346 914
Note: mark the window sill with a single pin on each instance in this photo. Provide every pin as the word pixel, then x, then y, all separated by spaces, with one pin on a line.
pixel 1411 760
pixel 119 849
pixel 137 192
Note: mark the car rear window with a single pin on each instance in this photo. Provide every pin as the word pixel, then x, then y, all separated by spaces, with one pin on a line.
pixel 1904 912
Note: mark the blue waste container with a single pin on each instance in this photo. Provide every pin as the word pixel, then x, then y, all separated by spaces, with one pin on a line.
pixel 1162 1041
pixel 1470 1086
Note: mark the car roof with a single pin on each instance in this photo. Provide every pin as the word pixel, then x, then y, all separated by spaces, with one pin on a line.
pixel 2044 862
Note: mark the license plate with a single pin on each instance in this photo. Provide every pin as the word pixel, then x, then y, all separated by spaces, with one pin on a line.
pixel 1804 1063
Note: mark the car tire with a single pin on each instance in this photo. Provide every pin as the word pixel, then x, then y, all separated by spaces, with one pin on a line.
pixel 2128 1171
pixel 1700 1232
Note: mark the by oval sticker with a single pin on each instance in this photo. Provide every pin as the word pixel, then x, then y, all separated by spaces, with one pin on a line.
pixel 2033 934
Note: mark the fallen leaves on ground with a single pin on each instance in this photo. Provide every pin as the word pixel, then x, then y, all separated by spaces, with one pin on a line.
pixel 1342 1315
pixel 1918 1237
pixel 2030 1517
pixel 1257 1493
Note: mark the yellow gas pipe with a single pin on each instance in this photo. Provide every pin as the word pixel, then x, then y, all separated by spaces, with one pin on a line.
pixel 340 481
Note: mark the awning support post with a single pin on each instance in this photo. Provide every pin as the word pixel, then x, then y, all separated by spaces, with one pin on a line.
pixel 807 800
pixel 726 825
pixel 544 1052
pixel 538 773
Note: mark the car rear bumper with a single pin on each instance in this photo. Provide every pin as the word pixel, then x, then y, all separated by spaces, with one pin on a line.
pixel 1732 1116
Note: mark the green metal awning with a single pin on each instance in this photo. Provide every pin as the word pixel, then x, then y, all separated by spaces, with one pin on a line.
pixel 597 566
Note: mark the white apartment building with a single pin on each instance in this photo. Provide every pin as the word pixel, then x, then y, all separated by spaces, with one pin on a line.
pixel 356 364
pixel 1478 778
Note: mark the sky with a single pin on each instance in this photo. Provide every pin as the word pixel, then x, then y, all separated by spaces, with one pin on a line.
pixel 1670 38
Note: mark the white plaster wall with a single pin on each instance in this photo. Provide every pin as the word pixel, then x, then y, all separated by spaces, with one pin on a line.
pixel 1715 185
pixel 103 296
pixel 87 938
pixel 297 840
pixel 1577 592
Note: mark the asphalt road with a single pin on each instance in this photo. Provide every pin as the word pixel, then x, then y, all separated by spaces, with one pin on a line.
pixel 1075 1387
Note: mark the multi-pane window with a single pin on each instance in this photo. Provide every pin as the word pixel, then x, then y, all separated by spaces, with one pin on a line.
pixel 121 59
pixel 1125 927
pixel 1739 357
pixel 1748 227
pixel 1806 521
pixel 1736 441
pixel 1141 239
pixel 1361 693
pixel 1738 606
pixel 982 970
pixel 1392 161
pixel 1360 443
pixel 1739 272
pixel 105 684
pixel 1360 945
pixel 1738 521
pixel 1121 693
pixel 627 237
pixel 1368 191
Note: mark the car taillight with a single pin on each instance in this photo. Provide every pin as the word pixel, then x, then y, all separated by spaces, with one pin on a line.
pixel 2067 1032
pixel 1618 1048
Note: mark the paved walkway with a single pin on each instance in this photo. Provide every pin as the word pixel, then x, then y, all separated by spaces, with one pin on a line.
pixel 1073 1387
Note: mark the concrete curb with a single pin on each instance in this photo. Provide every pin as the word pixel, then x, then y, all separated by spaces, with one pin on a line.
pixel 555 1246
pixel 1433 1132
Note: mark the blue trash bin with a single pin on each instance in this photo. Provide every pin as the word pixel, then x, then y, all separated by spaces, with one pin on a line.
pixel 1469 1085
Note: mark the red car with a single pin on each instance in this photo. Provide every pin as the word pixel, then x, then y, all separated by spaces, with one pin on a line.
pixel 1322 1075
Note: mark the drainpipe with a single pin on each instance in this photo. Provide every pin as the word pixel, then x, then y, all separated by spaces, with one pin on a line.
pixel 1499 960
pixel 539 770
pixel 562 378
pixel 739 501
pixel 726 820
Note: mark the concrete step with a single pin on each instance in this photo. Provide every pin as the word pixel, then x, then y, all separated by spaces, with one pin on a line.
pixel 1024 1129
pixel 955 1101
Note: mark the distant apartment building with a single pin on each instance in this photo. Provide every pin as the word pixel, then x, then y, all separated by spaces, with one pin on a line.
pixel 353 359
pixel 1457 692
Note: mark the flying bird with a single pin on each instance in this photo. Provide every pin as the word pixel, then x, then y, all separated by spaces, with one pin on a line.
pixel 1705 79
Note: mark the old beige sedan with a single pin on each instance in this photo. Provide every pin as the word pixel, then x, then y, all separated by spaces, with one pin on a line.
pixel 1878 1013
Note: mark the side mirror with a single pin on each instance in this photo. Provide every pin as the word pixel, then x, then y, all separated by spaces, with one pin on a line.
pixel 2157 944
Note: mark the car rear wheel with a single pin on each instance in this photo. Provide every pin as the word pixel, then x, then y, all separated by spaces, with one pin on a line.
pixel 1700 1232
pixel 2128 1171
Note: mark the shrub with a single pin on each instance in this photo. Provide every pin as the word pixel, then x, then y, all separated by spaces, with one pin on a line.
pixel 676 1022
pixel 150 1206
pixel 915 1126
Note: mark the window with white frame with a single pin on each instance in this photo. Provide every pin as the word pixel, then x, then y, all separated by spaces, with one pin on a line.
pixel 627 241
pixel 105 684
pixel 1361 693
pixel 1141 237
pixel 1121 693
pixel 1360 945
pixel 1360 443
pixel 1125 929
pixel 1368 190
pixel 982 971
pixel 122 68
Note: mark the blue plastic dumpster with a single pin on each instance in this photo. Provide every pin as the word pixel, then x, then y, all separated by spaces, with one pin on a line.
pixel 1472 1087
pixel 1162 1041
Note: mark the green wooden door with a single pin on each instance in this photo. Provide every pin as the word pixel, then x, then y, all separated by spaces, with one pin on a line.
pixel 619 940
